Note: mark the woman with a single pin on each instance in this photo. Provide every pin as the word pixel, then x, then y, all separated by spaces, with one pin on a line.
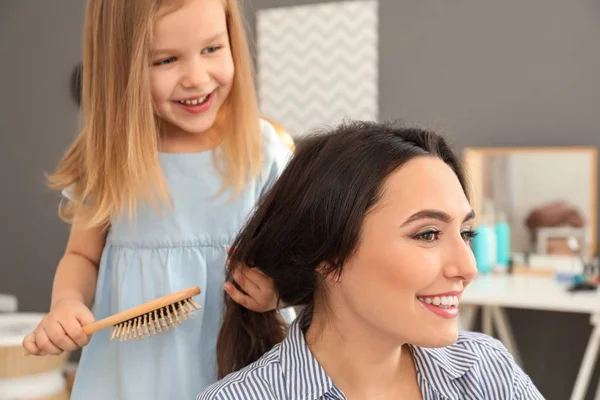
pixel 369 228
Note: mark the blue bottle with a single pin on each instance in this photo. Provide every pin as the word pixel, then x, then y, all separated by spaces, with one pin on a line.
pixel 482 249
pixel 502 243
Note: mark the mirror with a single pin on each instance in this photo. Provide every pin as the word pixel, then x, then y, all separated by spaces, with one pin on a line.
pixel 548 196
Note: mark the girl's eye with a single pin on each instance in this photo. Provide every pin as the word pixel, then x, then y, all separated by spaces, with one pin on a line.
pixel 428 236
pixel 165 61
pixel 210 49
pixel 468 235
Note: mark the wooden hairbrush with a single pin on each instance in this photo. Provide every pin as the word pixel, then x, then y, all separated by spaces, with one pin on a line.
pixel 149 318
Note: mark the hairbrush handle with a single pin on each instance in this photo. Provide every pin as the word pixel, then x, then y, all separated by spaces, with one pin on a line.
pixel 140 310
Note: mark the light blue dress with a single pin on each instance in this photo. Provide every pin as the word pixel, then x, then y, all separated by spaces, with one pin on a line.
pixel 162 254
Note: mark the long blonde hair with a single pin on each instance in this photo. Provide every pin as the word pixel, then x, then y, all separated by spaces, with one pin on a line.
pixel 112 166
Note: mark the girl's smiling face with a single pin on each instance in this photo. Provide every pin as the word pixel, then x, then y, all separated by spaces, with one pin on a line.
pixel 192 67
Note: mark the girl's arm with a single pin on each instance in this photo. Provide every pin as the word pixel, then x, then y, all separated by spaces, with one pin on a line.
pixel 77 271
pixel 72 295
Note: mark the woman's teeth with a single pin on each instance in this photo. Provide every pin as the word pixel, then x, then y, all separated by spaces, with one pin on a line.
pixel 193 102
pixel 441 301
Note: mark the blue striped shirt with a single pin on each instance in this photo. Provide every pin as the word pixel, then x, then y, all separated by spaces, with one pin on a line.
pixel 476 367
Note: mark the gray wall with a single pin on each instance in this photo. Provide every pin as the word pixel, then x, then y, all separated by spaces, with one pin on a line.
pixel 39 45
pixel 485 73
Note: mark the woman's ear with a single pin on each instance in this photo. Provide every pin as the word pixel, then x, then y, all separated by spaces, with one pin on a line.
pixel 330 272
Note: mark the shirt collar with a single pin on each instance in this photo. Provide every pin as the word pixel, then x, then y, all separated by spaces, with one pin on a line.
pixel 307 380
pixel 438 367
pixel 304 376
pixel 455 360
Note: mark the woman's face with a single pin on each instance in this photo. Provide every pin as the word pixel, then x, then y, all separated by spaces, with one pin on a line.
pixel 413 260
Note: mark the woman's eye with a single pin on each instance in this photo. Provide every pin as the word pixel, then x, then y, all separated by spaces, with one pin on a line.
pixel 468 235
pixel 429 236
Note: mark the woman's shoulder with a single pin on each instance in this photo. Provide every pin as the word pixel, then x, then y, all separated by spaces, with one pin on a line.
pixel 478 362
pixel 472 351
pixel 482 342
pixel 490 354
pixel 257 378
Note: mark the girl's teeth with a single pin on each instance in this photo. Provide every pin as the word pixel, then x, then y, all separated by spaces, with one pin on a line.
pixel 441 301
pixel 194 101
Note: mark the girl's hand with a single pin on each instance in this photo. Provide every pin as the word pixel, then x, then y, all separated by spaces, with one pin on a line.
pixel 260 292
pixel 60 330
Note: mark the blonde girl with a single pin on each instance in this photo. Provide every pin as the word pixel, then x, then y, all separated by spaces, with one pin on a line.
pixel 171 159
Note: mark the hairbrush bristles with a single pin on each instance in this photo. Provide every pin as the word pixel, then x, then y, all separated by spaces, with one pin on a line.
pixel 153 322
pixel 150 318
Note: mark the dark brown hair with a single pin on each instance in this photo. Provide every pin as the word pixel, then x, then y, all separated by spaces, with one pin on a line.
pixel 309 223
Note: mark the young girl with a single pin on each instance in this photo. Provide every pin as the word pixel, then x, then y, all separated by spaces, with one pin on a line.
pixel 171 160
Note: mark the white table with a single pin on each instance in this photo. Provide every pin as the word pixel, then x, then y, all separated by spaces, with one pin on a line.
pixel 493 293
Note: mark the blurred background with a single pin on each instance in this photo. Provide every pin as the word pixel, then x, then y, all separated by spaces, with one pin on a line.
pixel 514 85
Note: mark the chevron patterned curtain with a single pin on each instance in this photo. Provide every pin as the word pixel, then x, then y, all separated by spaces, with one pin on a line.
pixel 318 64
